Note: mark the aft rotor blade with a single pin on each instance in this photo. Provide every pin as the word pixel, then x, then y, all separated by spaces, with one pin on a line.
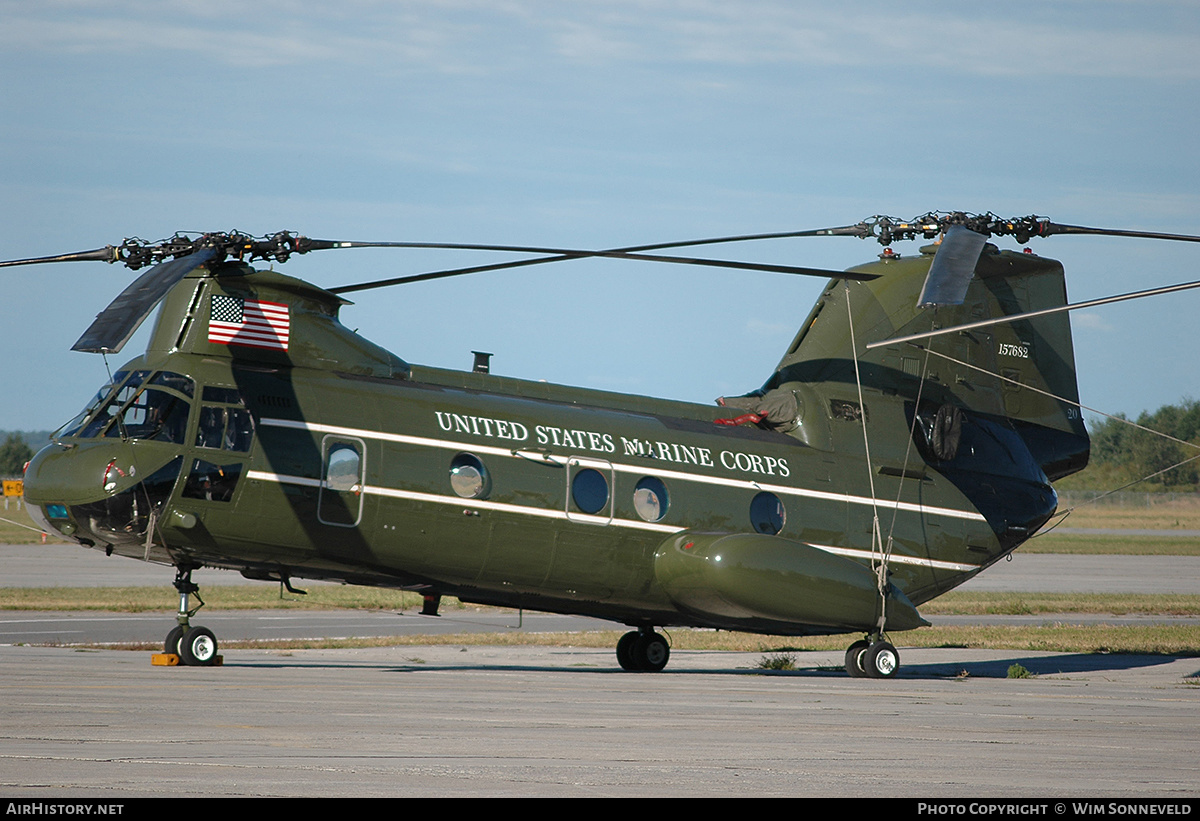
pixel 115 324
pixel 748 266
pixel 983 323
pixel 631 252
pixel 1051 228
pixel 952 268
pixel 106 254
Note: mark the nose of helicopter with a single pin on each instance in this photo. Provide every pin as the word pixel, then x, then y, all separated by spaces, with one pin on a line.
pixel 73 474
pixel 52 483
pixel 92 492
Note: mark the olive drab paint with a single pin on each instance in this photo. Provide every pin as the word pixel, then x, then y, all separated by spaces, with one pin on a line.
pixel 309 452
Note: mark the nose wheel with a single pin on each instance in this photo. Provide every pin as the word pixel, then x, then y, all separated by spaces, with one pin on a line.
pixel 194 646
pixel 198 647
pixel 171 645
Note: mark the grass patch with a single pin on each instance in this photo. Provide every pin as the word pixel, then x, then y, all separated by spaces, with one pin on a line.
pixel 1018 671
pixel 1173 640
pixel 1178 514
pixel 17 528
pixel 337 597
pixel 777 661
pixel 216 597
pixel 1119 544
pixel 967 603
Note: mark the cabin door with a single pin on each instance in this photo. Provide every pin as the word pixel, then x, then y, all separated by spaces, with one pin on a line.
pixel 341 494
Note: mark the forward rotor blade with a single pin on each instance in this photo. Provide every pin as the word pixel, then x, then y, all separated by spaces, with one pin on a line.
pixel 631 252
pixel 106 254
pixel 983 323
pixel 115 324
pixel 860 230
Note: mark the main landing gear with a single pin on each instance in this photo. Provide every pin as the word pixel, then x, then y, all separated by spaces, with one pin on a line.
pixel 195 646
pixel 873 658
pixel 643 651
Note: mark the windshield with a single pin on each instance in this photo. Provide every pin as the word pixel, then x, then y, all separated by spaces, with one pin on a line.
pixel 72 427
pixel 141 407
pixel 104 415
pixel 153 414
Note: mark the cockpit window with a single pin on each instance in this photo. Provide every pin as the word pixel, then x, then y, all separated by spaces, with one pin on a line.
pixel 110 409
pixel 216 393
pixel 174 380
pixel 214 483
pixel 227 426
pixel 72 427
pixel 138 411
pixel 153 414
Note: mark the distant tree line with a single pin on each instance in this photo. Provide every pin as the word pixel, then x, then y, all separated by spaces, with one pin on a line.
pixel 18 448
pixel 1122 453
pixel 14 453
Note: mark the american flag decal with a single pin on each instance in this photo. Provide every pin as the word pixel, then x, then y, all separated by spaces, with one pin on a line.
pixel 256 323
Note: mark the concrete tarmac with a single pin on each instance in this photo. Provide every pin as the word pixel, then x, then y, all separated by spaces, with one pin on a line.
pixel 565 722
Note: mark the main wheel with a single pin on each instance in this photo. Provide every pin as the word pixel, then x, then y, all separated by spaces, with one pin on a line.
pixel 854 658
pixel 651 652
pixel 198 647
pixel 171 645
pixel 625 651
pixel 881 660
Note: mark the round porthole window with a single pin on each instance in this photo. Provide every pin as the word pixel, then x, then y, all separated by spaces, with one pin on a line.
pixel 650 499
pixel 767 514
pixel 589 489
pixel 344 466
pixel 468 477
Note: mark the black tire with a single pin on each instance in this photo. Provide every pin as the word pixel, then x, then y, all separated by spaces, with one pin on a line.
pixel 651 652
pixel 854 658
pixel 198 647
pixel 881 660
pixel 171 644
pixel 625 655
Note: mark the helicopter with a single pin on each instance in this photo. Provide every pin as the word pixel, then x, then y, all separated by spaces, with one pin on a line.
pixel 908 438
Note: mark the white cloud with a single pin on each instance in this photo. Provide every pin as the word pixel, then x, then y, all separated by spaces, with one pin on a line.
pixel 761 329
pixel 1090 321
pixel 1085 40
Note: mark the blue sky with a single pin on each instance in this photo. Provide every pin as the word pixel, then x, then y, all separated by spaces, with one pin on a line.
pixel 594 124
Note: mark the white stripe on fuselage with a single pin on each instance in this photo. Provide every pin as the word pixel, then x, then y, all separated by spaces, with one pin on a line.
pixel 642 470
pixel 475 447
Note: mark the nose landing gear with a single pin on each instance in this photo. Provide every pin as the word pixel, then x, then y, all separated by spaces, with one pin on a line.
pixel 193 646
